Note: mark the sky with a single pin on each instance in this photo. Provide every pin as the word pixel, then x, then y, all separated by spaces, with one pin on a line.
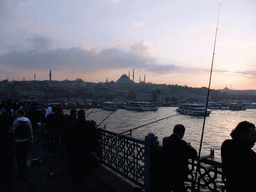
pixel 170 42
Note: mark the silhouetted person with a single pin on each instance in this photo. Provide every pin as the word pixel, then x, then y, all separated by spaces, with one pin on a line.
pixel 81 140
pixel 175 160
pixel 23 133
pixel 70 122
pixel 7 150
pixel 239 160
pixel 60 129
pixel 52 126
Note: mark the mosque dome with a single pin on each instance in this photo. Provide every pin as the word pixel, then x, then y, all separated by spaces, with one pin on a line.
pixel 124 80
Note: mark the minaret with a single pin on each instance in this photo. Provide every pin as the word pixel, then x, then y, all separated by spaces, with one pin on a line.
pixel 50 75
pixel 144 78
pixel 133 75
pixel 34 77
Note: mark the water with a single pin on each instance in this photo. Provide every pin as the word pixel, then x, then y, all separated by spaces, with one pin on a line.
pixel 218 125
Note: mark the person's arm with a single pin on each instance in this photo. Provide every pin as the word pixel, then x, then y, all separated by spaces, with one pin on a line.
pixel 14 126
pixel 192 153
pixel 30 137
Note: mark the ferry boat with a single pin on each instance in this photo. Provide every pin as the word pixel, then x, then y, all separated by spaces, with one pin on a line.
pixel 140 106
pixel 213 105
pixel 193 109
pixel 224 106
pixel 236 107
pixel 247 104
pixel 109 106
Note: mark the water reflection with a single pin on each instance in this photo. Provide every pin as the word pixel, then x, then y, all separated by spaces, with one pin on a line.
pixel 218 125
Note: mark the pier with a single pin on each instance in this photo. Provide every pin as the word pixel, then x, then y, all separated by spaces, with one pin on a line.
pixel 126 163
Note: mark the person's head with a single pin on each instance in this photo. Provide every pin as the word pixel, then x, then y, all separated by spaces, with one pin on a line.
pixel 54 108
pixel 179 129
pixel 60 112
pixel 81 114
pixel 20 113
pixel 73 113
pixel 244 131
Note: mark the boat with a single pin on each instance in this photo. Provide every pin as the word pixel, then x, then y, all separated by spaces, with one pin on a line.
pixel 193 110
pixel 236 107
pixel 224 106
pixel 140 106
pixel 109 106
pixel 247 104
pixel 213 105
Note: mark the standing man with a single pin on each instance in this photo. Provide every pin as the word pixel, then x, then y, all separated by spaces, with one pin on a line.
pixel 23 134
pixel 175 160
pixel 80 144
pixel 238 159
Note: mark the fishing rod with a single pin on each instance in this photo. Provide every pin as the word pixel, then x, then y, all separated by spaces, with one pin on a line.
pixel 90 112
pixel 209 86
pixel 141 126
pixel 207 98
pixel 107 117
pixel 147 124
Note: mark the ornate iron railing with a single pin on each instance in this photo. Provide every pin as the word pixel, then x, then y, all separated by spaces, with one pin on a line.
pixel 209 175
pixel 124 154
pixel 127 156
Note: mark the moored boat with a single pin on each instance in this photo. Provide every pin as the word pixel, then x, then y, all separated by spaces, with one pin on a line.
pixel 236 107
pixel 193 110
pixel 109 106
pixel 213 105
pixel 224 106
pixel 140 106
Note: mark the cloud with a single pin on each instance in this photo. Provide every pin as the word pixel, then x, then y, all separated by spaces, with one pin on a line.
pixel 247 73
pixel 84 60
pixel 138 24
pixel 115 1
pixel 144 48
pixel 40 42
pixel 32 26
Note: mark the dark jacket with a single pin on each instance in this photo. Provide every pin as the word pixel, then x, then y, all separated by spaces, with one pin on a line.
pixel 175 157
pixel 51 122
pixel 82 138
pixel 239 165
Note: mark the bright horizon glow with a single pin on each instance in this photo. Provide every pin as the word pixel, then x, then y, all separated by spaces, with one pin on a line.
pixel 169 42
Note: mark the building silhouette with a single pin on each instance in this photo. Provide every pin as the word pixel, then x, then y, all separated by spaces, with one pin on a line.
pixel 50 75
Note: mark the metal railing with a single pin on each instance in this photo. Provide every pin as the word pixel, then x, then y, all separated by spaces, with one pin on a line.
pixel 128 156
pixel 123 154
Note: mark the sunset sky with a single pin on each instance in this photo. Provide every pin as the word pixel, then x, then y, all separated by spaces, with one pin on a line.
pixel 171 42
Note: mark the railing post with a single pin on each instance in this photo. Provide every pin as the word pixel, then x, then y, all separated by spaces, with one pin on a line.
pixel 99 145
pixel 150 141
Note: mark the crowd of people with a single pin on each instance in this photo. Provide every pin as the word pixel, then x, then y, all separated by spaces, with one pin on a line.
pixel 75 138
pixel 69 136
pixel 14 142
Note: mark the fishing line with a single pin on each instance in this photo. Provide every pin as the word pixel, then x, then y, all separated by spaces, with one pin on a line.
pixel 107 117
pixel 90 112
pixel 141 126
